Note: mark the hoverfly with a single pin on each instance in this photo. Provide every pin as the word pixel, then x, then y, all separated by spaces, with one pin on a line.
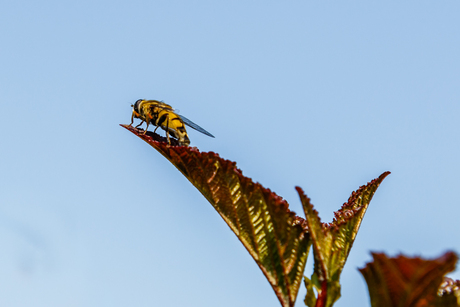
pixel 163 115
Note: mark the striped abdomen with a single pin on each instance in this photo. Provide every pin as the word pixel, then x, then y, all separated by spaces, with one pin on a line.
pixel 172 124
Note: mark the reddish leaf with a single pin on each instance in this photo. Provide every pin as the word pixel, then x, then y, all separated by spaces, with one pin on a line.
pixel 332 242
pixel 403 281
pixel 272 234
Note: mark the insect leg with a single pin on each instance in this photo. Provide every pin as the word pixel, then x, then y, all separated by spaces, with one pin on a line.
pixel 139 124
pixel 157 124
pixel 167 129
pixel 148 123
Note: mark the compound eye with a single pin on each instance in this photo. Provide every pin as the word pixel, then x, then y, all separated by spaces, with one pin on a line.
pixel 136 105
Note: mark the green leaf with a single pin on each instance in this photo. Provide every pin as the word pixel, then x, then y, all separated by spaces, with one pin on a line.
pixel 273 235
pixel 310 298
pixel 332 242
pixel 403 281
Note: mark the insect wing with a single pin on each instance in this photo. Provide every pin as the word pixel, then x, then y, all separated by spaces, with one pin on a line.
pixel 191 124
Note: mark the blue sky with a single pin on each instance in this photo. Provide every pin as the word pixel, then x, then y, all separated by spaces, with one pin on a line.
pixel 324 95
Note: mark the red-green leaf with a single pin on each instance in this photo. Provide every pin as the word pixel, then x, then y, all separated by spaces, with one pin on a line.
pixel 403 281
pixel 271 233
pixel 332 242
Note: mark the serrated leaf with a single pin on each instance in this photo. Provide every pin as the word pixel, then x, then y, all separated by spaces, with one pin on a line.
pixel 272 234
pixel 332 242
pixel 404 281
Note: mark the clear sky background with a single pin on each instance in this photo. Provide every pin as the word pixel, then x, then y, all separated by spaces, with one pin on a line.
pixel 325 95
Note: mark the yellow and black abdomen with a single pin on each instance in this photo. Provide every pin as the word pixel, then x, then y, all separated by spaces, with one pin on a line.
pixel 172 123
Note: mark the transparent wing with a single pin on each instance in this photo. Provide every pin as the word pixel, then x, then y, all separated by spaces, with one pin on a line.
pixel 191 124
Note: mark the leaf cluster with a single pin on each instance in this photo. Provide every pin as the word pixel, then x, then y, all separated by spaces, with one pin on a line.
pixel 279 241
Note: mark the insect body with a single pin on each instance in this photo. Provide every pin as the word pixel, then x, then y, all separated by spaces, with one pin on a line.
pixel 162 115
